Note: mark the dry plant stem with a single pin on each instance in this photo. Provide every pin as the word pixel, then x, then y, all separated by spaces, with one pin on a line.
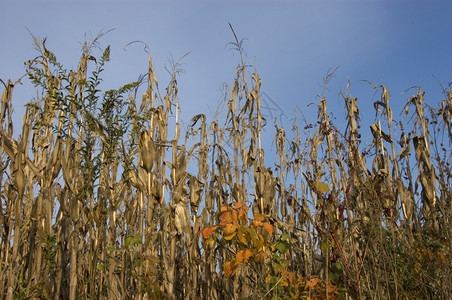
pixel 103 198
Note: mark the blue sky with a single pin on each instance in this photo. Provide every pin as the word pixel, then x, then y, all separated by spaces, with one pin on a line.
pixel 292 44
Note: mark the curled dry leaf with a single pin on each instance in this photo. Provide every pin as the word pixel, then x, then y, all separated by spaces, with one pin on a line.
pixel 181 219
pixel 147 150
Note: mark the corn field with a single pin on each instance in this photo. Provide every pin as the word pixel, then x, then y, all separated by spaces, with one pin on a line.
pixel 105 195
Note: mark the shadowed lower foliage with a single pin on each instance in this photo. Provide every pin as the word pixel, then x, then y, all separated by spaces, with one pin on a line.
pixel 104 196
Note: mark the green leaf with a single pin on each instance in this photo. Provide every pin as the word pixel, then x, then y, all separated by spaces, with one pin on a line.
pixel 133 240
pixel 281 246
pixel 284 262
pixel 338 266
pixel 334 277
pixel 253 234
pixel 100 266
pixel 324 247
pixel 285 236
pixel 137 263
pixel 321 187
pixel 278 268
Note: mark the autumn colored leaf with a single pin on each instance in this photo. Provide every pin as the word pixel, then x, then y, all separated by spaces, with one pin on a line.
pixel 235 216
pixel 224 207
pixel 260 257
pixel 269 228
pixel 268 278
pixel 244 255
pixel 289 275
pixel 229 229
pixel 225 218
pixel 240 256
pixel 240 205
pixel 312 282
pixel 227 269
pixel 253 233
pixel 248 253
pixel 259 217
pixel 284 282
pixel 244 208
pixel 242 236
pixel 285 273
pixel 259 241
pixel 257 223
pixel 206 232
pixel 243 214
pixel 209 243
pixel 331 288
pixel 229 237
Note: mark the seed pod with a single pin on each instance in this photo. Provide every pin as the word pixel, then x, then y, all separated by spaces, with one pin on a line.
pixel 147 151
pixel 181 218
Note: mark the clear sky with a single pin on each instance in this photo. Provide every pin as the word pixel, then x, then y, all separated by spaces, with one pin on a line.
pixel 292 44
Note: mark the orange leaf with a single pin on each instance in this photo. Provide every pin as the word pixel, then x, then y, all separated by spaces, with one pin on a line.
pixel 241 205
pixel 289 275
pixel 234 216
pixel 230 228
pixel 248 253
pixel 206 232
pixel 225 218
pixel 242 214
pixel 227 269
pixel 331 288
pixel 241 256
pixel 268 227
pixel 224 207
pixel 244 255
pixel 259 217
pixel 312 282
pixel 238 204
pixel 257 223
pixel 268 278
pixel 260 257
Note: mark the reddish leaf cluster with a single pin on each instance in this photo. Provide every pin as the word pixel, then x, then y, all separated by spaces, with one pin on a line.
pixel 249 235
